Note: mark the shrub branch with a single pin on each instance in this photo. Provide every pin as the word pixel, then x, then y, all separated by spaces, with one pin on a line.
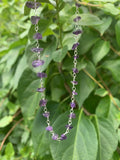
pixel 9 132
pixel 88 4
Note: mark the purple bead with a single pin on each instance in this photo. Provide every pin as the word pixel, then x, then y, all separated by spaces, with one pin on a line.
pixel 74 82
pixel 32 5
pixel 69 126
pixel 77 19
pixel 37 63
pixel 46 114
pixel 63 137
pixel 41 75
pixel 55 136
pixel 35 19
pixel 43 102
pixel 76 57
pixel 37 36
pixel 74 93
pixel 72 115
pixel 40 89
pixel 77 32
pixel 78 5
pixel 49 128
pixel 75 70
pixel 37 50
pixel 75 45
pixel 72 104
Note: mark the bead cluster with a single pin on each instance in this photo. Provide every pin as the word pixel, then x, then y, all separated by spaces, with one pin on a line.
pixel 38 62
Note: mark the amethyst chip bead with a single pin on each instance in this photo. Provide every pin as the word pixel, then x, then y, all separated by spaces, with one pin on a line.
pixel 72 115
pixel 76 57
pixel 74 82
pixel 75 45
pixel 37 50
pixel 63 137
pixel 74 93
pixel 41 89
pixel 41 75
pixel 37 63
pixel 49 128
pixel 55 136
pixel 32 5
pixel 46 114
pixel 43 102
pixel 78 5
pixel 78 18
pixel 69 126
pixel 35 19
pixel 72 104
pixel 75 70
pixel 77 32
pixel 37 36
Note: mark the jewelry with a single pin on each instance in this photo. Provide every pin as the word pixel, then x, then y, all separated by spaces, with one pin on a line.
pixel 38 62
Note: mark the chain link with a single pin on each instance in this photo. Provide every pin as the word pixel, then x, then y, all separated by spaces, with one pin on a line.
pixel 74 75
pixel 36 29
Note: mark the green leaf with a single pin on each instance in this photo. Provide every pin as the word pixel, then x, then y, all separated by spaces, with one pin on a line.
pixel 68 40
pixel 85 84
pixel 27 95
pixel 107 138
pixel 119 135
pixel 57 86
pixel 114 113
pixel 26 10
pixel 12 108
pixel 5 121
pixel 59 54
pixel 22 65
pixel 87 40
pixel 100 50
pixel 25 137
pixel 39 136
pixel 14 54
pixel 103 107
pixel 3 92
pixel 9 150
pixel 108 109
pixel 101 92
pixel 117 31
pixel 48 32
pixel 113 66
pixel 109 7
pixel 68 26
pixel 116 156
pixel 104 26
pixel 47 53
pixel 81 143
pixel 68 64
pixel 89 20
pixel 10 61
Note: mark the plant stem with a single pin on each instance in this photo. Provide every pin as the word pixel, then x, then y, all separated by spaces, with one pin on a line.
pixel 59 24
pixel 9 132
pixel 88 4
pixel 93 78
pixel 109 92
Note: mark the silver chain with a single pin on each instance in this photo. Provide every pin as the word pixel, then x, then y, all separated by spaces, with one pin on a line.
pixel 73 75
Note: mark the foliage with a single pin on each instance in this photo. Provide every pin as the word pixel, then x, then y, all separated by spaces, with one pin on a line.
pixel 96 132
